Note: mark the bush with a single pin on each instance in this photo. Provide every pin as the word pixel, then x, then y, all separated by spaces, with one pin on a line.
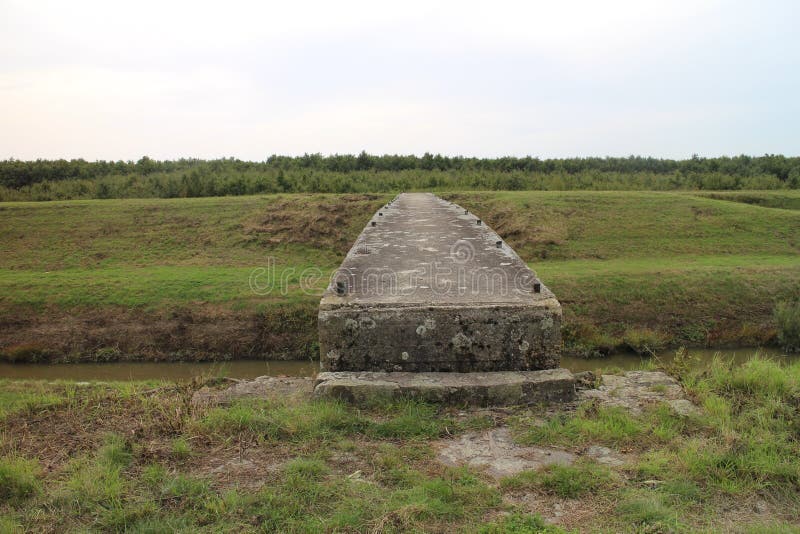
pixel 787 319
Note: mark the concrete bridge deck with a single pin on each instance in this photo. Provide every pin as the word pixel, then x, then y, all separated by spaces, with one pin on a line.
pixel 429 287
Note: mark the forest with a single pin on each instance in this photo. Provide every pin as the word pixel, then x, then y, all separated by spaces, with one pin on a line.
pixel 366 173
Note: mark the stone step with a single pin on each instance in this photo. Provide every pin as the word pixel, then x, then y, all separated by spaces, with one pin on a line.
pixel 500 388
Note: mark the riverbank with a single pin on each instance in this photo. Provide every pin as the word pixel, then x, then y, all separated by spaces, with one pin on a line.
pixel 188 279
pixel 136 456
pixel 699 359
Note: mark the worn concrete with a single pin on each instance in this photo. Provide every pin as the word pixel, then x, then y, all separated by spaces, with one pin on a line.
pixel 635 391
pixel 498 454
pixel 499 388
pixel 428 288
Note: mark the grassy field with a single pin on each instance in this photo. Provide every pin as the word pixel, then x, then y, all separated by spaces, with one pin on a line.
pixel 139 457
pixel 170 279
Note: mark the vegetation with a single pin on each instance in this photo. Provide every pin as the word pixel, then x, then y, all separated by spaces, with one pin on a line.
pixel 365 173
pixel 139 457
pixel 171 279
pixel 787 317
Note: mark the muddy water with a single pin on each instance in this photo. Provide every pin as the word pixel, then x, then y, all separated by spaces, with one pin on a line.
pixel 251 368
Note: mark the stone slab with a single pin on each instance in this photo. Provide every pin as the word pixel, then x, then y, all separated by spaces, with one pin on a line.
pixel 426 288
pixel 498 454
pixel 499 388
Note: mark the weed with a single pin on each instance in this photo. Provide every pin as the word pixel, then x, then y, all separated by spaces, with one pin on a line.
pixel 181 448
pixel 19 478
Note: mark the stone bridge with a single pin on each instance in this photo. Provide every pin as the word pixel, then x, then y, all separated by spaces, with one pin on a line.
pixel 429 288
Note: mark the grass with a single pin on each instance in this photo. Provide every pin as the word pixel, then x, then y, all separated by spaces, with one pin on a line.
pixel 18 478
pixel 567 481
pixel 274 421
pixel 138 457
pixel 145 278
pixel 613 426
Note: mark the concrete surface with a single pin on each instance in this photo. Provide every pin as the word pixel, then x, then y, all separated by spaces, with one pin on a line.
pixel 496 452
pixel 500 388
pixel 427 288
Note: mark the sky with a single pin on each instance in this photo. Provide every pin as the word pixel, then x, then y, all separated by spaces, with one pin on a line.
pixel 168 79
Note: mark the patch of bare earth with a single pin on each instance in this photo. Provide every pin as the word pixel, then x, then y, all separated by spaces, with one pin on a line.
pixel 54 435
pixel 322 221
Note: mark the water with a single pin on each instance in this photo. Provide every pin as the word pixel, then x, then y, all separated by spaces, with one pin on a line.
pixel 117 371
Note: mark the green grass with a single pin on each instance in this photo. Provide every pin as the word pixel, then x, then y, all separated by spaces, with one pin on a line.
pixel 326 420
pixel 650 513
pixel 606 425
pixel 25 397
pixel 632 269
pixel 789 200
pixel 19 478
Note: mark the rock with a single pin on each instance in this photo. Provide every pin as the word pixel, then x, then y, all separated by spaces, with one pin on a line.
pixel 683 407
pixel 496 452
pixel 636 390
pixel 604 455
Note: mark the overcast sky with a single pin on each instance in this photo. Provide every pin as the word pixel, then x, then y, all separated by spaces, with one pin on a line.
pixel 117 80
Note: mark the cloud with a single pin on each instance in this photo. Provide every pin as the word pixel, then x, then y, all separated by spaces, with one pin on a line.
pixel 169 79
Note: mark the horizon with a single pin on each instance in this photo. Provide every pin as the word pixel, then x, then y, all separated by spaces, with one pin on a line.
pixel 418 156
pixel 578 80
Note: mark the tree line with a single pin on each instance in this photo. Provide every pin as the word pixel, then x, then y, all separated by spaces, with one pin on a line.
pixel 77 178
